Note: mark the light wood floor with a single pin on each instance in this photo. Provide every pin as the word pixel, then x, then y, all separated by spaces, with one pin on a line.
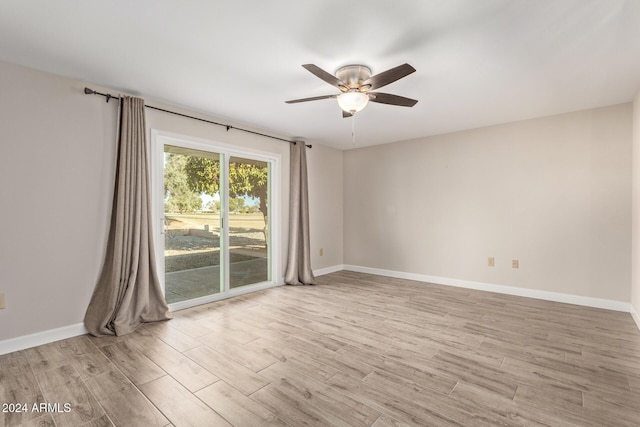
pixel 356 350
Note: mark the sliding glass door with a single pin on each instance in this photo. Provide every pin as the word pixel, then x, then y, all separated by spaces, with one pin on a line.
pixel 215 226
pixel 192 223
pixel 248 222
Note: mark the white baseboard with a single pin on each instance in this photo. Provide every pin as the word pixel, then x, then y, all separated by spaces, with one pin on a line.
pixel 635 315
pixel 502 289
pixel 327 270
pixel 39 338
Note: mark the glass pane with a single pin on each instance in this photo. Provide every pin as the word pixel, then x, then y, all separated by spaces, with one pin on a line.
pixel 191 223
pixel 248 222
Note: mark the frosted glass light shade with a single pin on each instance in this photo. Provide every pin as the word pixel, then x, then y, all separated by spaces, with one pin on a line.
pixel 352 102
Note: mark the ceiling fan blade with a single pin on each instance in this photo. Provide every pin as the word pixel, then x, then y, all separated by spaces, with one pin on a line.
pixel 329 78
pixel 346 114
pixel 387 98
pixel 315 98
pixel 389 76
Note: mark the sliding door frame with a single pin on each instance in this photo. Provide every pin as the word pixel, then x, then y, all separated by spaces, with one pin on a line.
pixel 161 138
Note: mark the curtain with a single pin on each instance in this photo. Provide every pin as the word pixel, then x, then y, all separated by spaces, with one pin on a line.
pixel 128 292
pixel 299 257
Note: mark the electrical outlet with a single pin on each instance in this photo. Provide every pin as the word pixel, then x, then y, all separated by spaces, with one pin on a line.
pixel 515 263
pixel 491 261
pixel 2 303
pixel 321 251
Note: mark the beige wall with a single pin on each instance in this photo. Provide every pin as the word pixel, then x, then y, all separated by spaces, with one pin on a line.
pixel 325 187
pixel 56 175
pixel 635 253
pixel 551 192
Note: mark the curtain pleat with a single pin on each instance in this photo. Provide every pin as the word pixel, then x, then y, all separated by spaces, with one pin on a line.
pixel 128 292
pixel 299 270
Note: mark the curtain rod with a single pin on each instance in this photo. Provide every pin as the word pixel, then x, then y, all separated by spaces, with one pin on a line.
pixel 89 91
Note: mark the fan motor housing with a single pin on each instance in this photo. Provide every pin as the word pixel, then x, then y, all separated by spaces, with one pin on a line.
pixel 353 75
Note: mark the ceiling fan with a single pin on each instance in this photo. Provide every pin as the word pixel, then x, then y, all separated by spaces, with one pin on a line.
pixel 356 85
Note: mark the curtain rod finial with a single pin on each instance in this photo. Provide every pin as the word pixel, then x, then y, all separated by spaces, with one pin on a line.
pixel 88 91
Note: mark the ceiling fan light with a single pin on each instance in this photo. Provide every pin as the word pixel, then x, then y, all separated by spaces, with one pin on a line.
pixel 352 102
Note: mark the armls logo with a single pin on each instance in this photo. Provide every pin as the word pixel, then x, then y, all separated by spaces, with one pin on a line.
pixel 45 407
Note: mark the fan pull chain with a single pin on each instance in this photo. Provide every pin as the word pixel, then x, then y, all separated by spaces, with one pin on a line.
pixel 353 129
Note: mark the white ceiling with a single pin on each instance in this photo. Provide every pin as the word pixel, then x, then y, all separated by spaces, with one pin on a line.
pixel 479 62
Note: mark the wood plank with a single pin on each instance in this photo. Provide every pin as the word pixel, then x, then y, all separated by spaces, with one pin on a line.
pixel 107 340
pixel 188 373
pixel 634 383
pixel 505 347
pixel 45 420
pixel 252 360
pixel 175 338
pixel 307 390
pixel 47 356
pixel 470 371
pixel 456 368
pixel 84 356
pixel 236 408
pixel 624 405
pixel 231 372
pixel 294 411
pixel 179 405
pixel 386 421
pixel 564 375
pixel 548 395
pixel 18 384
pixel 103 421
pixel 137 367
pixel 64 386
pixel 228 330
pixel 322 340
pixel 469 395
pixel 426 377
pixel 394 404
pixel 123 402
pixel 191 328
pixel 293 366
pixel 12 360
pixel 274 347
pixel 328 357
pixel 567 410
pixel 433 402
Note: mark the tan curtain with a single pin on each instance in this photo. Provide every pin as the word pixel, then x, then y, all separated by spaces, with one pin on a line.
pixel 299 258
pixel 128 291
